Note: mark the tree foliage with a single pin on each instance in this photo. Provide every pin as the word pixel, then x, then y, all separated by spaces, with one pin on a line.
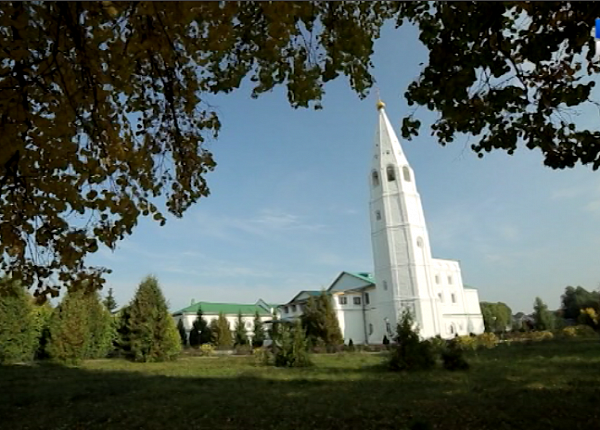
pixel 497 317
pixel 409 352
pixel 320 321
pixel 106 107
pixel 576 299
pixel 200 332
pixel 508 74
pixel 221 332
pixel 258 336
pixel 182 333
pixel 110 302
pixel 20 328
pixel 70 339
pixel 240 336
pixel 151 331
pixel 544 319
pixel 291 348
pixel 100 325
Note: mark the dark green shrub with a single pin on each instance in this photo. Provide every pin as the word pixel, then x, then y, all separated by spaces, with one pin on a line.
pixel 410 353
pixel 291 350
pixel 385 340
pixel 258 338
pixel 240 337
pixel 101 327
pixel 182 333
pixel 351 346
pixel 453 358
pixel 19 328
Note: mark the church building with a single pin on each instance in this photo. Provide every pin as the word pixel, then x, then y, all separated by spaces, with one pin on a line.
pixel 405 275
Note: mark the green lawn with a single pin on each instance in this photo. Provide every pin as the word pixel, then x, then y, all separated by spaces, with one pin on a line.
pixel 551 385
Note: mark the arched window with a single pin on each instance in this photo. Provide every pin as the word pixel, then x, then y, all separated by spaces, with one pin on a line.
pixel 391 173
pixel 451 329
pixel 385 285
pixel 406 173
pixel 378 215
pixel 375 176
pixel 420 242
pixel 370 329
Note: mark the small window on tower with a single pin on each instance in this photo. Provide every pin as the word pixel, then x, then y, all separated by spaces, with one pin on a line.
pixel 437 279
pixel 441 297
pixel 453 298
pixel 378 215
pixel 375 178
pixel 420 242
pixel 391 173
pixel 449 280
pixel 406 173
pixel 385 285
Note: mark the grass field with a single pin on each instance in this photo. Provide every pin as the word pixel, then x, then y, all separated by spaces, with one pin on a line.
pixel 548 385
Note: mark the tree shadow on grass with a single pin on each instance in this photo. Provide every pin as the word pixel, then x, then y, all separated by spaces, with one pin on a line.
pixel 55 397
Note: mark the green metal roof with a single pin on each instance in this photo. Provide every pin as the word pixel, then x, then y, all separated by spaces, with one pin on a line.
pixel 226 308
pixel 365 276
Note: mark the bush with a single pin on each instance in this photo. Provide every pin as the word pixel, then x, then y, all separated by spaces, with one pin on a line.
pixel 410 353
pixel 263 357
pixel 465 343
pixel 438 345
pixel 579 331
pixel 350 346
pixel 453 358
pixel 292 348
pixel 101 327
pixel 242 350
pixel 206 350
pixel 385 340
pixel 487 340
pixel 19 328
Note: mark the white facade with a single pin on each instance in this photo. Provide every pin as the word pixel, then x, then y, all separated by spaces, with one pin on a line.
pixel 406 276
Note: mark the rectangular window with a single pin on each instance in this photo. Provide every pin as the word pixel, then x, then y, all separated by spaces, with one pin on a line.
pixel 293 308
pixel 286 310
pixel 367 301
pixel 437 279
pixel 453 298
pixel 356 300
pixel 450 280
pixel 441 297
pixel 343 300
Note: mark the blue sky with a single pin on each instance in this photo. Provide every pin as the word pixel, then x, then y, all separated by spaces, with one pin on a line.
pixel 288 208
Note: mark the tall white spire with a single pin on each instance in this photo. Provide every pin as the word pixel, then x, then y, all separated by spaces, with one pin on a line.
pixel 401 251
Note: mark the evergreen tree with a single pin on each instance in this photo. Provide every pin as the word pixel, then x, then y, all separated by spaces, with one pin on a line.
pixel 544 320
pixel 222 332
pixel 70 329
pixel 409 352
pixel 200 333
pixel 109 301
pixel 153 335
pixel 275 329
pixel 240 334
pixel 258 339
pixel 123 340
pixel 320 321
pixel 19 330
pixel 43 314
pixel 214 328
pixel 292 348
pixel 182 333
pixel 101 328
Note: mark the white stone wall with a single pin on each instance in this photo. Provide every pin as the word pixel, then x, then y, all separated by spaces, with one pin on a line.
pixel 188 321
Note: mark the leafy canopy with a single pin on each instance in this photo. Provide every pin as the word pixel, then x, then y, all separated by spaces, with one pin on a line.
pixel 105 106
pixel 105 109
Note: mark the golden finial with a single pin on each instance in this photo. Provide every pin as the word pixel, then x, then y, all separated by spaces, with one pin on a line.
pixel 380 104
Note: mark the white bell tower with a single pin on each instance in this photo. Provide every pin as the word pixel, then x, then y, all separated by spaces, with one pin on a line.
pixel 401 251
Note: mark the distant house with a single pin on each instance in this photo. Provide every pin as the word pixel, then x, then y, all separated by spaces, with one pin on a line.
pixel 211 312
